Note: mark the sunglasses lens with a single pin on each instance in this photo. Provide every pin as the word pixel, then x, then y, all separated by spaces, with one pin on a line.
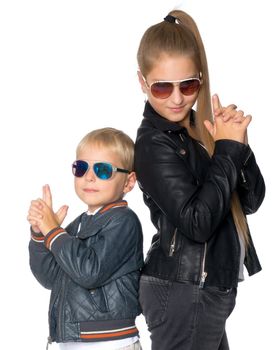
pixel 162 90
pixel 165 89
pixel 189 87
pixel 103 170
pixel 79 168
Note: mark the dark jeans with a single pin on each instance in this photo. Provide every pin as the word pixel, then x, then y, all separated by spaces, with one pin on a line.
pixel 181 316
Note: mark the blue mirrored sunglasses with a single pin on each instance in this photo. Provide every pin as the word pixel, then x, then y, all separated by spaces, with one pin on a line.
pixel 102 170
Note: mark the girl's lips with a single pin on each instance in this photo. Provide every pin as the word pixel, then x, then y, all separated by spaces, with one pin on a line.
pixel 177 109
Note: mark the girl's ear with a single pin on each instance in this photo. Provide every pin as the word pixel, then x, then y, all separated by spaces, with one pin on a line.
pixel 130 182
pixel 142 82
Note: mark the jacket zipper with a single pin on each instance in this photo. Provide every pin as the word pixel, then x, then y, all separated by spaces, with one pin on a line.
pixel 242 172
pixel 78 230
pixel 249 155
pixel 203 272
pixel 243 176
pixel 173 243
pixel 61 305
pixel 60 325
pixel 49 338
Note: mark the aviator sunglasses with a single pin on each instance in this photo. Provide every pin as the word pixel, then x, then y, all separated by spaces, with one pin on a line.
pixel 102 170
pixel 164 88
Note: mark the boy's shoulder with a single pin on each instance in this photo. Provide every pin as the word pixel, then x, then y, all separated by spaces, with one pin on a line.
pixel 116 221
pixel 119 218
pixel 117 214
pixel 111 216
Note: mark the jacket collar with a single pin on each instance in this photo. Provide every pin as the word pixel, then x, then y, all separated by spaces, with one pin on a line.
pixel 90 225
pixel 119 203
pixel 161 123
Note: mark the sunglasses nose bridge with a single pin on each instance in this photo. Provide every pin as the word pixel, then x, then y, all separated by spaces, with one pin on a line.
pixel 90 174
pixel 176 93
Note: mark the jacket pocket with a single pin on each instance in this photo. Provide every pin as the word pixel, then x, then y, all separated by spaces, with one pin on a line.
pixel 99 299
pixel 153 297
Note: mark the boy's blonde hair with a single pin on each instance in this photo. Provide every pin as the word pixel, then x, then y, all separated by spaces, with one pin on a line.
pixel 115 140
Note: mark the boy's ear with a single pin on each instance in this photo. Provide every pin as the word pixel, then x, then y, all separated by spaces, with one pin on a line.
pixel 130 182
pixel 142 82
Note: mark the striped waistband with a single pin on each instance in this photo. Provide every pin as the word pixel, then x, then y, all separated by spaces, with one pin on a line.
pixel 107 330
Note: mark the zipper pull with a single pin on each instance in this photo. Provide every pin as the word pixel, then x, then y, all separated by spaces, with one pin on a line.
pixel 171 250
pixel 49 342
pixel 249 155
pixel 202 279
pixel 243 176
pixel 173 243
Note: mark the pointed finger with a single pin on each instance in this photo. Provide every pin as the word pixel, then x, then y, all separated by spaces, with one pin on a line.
pixel 216 102
pixel 47 196
pixel 61 214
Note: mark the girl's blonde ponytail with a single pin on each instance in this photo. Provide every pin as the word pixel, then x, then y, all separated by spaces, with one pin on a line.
pixel 203 112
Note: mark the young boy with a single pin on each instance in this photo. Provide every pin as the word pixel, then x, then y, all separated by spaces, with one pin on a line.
pixel 92 266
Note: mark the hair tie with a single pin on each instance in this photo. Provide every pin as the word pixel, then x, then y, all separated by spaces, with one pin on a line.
pixel 171 19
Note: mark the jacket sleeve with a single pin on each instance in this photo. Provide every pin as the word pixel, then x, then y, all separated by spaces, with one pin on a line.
pixel 251 186
pixel 116 252
pixel 42 262
pixel 195 209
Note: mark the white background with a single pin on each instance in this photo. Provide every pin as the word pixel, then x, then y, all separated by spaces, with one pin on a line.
pixel 67 67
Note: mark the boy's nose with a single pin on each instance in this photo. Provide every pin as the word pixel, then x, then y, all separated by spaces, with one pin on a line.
pixel 90 175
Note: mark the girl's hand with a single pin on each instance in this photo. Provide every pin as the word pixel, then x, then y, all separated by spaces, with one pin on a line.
pixel 229 123
pixel 225 112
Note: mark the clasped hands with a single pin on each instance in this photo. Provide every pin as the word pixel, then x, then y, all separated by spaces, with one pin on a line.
pixel 229 123
pixel 41 215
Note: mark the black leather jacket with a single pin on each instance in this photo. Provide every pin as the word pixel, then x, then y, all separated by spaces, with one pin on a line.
pixel 189 195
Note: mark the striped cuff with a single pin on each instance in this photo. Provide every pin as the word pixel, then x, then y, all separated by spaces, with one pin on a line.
pixel 52 236
pixel 37 236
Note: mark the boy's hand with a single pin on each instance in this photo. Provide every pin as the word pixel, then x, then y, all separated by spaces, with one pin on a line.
pixel 47 197
pixel 31 213
pixel 41 215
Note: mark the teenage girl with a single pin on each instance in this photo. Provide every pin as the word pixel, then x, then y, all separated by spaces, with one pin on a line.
pixel 200 179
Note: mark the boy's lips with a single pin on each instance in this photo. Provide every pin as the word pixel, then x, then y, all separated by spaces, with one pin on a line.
pixel 90 190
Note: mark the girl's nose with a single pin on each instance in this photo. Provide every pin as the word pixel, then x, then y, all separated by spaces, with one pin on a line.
pixel 177 96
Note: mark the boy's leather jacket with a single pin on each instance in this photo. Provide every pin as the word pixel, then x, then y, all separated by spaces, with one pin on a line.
pixel 189 197
pixel 92 268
